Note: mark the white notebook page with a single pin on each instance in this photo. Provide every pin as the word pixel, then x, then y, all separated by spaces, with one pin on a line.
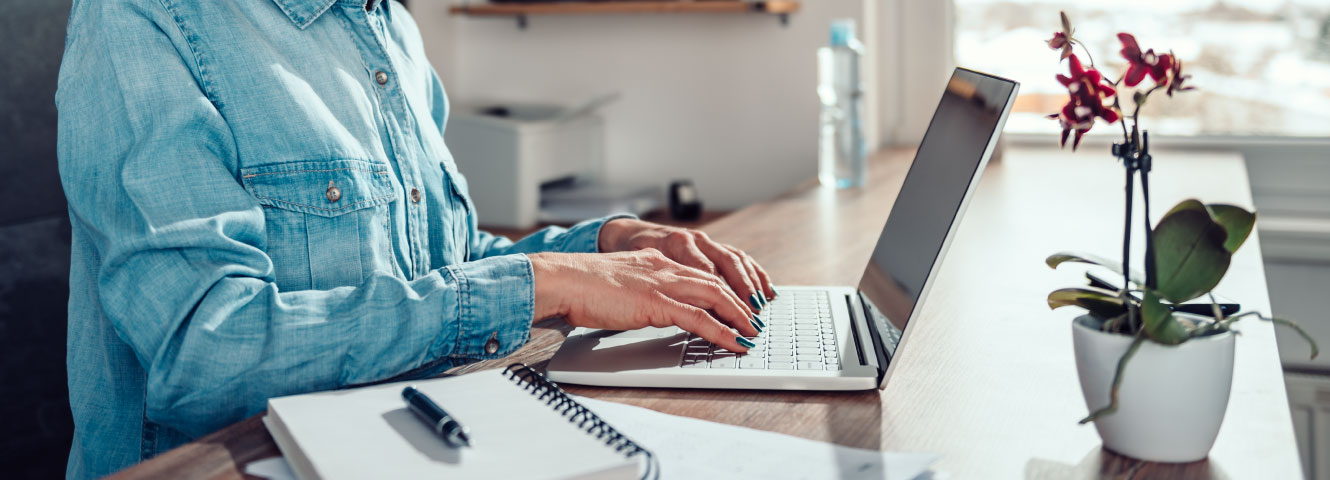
pixel 370 433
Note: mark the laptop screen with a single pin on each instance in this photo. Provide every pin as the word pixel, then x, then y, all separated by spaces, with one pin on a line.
pixel 958 142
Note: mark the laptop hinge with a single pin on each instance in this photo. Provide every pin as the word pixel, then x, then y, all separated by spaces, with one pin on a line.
pixel 856 331
pixel 875 334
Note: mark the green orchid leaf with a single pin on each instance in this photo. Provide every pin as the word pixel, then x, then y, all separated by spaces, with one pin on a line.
pixel 1190 258
pixel 1057 259
pixel 1104 303
pixel 1236 221
pixel 1188 204
pixel 1159 323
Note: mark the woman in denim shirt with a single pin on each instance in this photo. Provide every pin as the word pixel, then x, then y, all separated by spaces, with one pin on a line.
pixel 263 205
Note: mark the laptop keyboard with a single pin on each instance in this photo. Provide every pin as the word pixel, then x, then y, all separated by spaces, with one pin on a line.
pixel 799 336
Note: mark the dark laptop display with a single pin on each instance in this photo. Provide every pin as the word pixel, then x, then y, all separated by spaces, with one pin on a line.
pixel 963 130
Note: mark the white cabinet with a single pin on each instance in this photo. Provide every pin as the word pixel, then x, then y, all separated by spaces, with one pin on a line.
pixel 1309 399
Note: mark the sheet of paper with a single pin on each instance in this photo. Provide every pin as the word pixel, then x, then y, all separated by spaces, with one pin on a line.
pixel 271 468
pixel 689 448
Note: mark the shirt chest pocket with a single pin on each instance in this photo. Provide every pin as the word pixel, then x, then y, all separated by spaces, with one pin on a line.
pixel 327 221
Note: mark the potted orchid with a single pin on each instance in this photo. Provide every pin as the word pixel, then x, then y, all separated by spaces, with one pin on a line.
pixel 1156 380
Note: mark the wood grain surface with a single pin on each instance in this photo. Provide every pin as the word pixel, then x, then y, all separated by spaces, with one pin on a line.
pixel 986 376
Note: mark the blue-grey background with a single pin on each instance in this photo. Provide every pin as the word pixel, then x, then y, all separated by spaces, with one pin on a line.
pixel 34 245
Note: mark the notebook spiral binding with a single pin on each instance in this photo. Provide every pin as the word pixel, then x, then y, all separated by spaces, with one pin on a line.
pixel 586 420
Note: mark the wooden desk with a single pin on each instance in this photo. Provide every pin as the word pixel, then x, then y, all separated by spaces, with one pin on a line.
pixel 987 378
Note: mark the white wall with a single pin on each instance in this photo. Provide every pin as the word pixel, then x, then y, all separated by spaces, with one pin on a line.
pixel 726 100
pixel 914 57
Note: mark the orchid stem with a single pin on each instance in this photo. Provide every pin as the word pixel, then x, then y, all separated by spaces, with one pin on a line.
pixel 1089 56
pixel 1126 236
pixel 1143 164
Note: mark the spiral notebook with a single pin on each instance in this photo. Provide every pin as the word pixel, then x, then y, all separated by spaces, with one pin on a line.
pixel 521 426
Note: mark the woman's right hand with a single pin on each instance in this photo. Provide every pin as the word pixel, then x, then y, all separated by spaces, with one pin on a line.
pixel 643 288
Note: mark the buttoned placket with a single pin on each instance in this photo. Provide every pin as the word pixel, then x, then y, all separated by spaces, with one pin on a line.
pixel 400 126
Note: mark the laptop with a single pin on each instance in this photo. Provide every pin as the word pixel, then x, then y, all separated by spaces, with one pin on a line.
pixel 828 337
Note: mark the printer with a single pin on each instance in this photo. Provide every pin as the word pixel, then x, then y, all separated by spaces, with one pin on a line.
pixel 509 151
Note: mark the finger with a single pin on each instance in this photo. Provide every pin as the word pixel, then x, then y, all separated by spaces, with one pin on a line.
pixel 730 267
pixel 717 297
pixel 763 280
pixel 694 257
pixel 750 269
pixel 698 321
pixel 671 266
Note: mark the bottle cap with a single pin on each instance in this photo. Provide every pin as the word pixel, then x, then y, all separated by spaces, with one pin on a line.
pixel 842 31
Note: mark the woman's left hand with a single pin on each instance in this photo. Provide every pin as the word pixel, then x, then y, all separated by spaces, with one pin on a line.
pixel 694 249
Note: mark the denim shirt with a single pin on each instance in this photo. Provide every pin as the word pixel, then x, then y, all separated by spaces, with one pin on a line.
pixel 263 205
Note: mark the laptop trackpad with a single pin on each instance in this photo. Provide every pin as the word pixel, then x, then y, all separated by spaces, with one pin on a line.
pixel 611 351
pixel 648 332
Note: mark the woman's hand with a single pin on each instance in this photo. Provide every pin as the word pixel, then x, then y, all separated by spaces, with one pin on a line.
pixel 694 249
pixel 631 290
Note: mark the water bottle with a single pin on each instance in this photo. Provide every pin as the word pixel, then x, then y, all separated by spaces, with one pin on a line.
pixel 842 154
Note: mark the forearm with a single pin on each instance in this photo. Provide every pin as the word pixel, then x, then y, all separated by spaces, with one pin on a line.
pixel 246 342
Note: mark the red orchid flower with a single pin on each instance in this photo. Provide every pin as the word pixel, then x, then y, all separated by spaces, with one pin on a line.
pixel 1062 40
pixel 1144 63
pixel 1177 82
pixel 1086 90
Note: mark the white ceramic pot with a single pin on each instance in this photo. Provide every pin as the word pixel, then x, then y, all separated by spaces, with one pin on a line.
pixel 1172 399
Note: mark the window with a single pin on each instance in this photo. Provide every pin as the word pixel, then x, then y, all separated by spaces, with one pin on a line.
pixel 1261 67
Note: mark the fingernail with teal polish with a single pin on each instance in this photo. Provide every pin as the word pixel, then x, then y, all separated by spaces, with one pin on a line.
pixel 745 342
pixel 758 320
pixel 762 297
pixel 755 325
pixel 752 299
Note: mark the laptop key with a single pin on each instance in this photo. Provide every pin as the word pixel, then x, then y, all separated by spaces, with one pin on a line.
pixel 774 365
pixel 752 363
pixel 694 361
pixel 810 366
pixel 724 361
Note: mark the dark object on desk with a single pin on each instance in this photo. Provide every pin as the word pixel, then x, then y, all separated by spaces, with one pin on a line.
pixel 1203 309
pixel 496 111
pixel 453 433
pixel 684 204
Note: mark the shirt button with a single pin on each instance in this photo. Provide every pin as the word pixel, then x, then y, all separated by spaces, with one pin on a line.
pixel 415 195
pixel 381 77
pixel 492 346
pixel 334 194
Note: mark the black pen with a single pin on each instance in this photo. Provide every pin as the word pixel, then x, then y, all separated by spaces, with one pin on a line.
pixel 453 433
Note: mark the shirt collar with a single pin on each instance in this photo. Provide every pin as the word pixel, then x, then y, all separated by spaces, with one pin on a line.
pixel 304 12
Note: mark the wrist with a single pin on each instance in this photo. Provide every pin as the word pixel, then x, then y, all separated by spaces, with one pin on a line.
pixel 615 234
pixel 550 278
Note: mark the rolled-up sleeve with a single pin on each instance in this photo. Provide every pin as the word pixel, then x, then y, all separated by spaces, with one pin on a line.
pixel 492 293
pixel 581 238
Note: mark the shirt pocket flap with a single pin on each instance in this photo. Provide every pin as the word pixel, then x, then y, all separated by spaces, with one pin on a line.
pixel 325 188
